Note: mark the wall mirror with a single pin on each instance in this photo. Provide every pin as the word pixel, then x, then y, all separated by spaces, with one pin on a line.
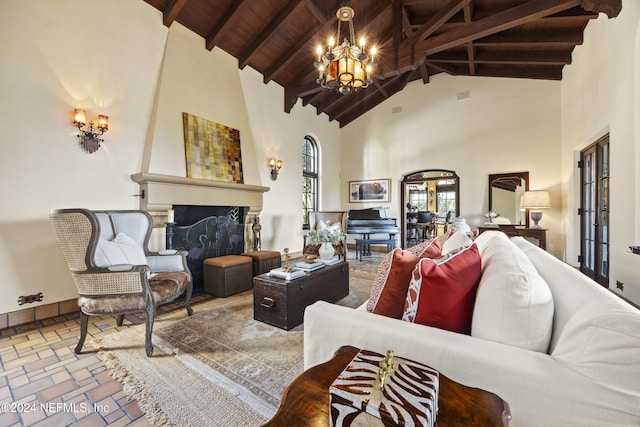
pixel 505 191
pixel 430 200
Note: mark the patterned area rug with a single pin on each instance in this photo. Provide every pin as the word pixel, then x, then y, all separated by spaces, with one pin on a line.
pixel 228 367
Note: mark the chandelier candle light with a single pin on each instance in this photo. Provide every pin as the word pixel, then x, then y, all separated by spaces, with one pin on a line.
pixel 347 66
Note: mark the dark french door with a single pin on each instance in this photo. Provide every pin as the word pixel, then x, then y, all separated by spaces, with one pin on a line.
pixel 594 211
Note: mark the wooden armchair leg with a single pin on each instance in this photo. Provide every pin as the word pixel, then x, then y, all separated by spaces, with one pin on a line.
pixel 150 313
pixel 84 323
pixel 187 300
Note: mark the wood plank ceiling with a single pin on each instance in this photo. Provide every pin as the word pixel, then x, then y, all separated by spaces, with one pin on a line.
pixel 416 39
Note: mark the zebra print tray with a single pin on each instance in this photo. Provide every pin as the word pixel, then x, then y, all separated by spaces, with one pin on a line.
pixel 409 398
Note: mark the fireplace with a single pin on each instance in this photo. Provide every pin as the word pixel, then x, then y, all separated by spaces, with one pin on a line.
pixel 206 232
pixel 160 193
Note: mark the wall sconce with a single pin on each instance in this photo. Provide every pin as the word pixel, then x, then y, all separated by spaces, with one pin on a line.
pixel 275 166
pixel 90 137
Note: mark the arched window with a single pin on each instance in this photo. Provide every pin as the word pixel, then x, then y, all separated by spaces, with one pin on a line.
pixel 309 179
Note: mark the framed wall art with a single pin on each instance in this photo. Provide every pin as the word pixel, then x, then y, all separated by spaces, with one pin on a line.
pixel 212 150
pixel 373 190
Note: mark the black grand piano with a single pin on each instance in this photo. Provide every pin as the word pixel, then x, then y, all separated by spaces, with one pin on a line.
pixel 368 223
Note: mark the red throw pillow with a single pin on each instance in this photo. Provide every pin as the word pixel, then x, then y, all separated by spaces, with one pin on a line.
pixel 442 292
pixel 389 289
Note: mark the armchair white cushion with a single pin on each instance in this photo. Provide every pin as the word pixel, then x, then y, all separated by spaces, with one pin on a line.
pixel 121 250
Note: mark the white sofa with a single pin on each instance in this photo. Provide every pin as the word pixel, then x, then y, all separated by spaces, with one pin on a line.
pixel 589 377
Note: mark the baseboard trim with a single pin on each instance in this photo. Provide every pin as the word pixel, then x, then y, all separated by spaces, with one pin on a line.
pixel 41 312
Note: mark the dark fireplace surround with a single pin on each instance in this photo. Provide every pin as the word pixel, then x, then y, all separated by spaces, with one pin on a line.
pixel 216 220
pixel 206 232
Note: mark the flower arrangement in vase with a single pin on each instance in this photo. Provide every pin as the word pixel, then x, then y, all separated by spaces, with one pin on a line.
pixel 326 237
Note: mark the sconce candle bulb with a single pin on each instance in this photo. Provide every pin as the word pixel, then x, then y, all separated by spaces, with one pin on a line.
pixel 90 136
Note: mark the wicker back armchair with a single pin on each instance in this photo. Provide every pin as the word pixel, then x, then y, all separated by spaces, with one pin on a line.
pixel 113 270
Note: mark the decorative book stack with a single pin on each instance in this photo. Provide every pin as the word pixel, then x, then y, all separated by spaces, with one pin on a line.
pixel 310 266
pixel 332 261
pixel 409 396
pixel 287 275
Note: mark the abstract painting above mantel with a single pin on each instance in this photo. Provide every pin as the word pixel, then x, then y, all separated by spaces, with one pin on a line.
pixel 212 150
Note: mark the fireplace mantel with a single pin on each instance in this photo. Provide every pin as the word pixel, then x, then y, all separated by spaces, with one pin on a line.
pixel 158 193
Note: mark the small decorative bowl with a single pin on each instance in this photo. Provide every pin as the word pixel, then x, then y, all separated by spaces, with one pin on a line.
pixel 309 258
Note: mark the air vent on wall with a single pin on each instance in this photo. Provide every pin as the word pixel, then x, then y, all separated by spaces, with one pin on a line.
pixel 463 95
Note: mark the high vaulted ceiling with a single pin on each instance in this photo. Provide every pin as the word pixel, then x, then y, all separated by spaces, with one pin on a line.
pixel 416 39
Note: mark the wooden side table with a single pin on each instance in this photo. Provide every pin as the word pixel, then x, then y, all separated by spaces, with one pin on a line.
pixel 537 236
pixel 306 401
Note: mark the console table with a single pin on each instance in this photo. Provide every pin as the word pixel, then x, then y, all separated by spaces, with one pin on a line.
pixel 537 236
pixel 306 401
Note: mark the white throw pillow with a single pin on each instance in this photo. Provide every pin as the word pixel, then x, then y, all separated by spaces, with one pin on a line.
pixel 121 250
pixel 457 240
pixel 322 225
pixel 514 304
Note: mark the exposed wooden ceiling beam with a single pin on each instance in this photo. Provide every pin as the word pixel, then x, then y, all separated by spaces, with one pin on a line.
pixel 609 7
pixel 502 57
pixel 317 12
pixel 471 49
pixel 347 103
pixel 370 102
pixel 406 24
pixel 424 73
pixel 292 93
pixel 224 23
pixel 285 13
pixel 511 71
pixel 510 18
pixel 172 11
pixel 437 20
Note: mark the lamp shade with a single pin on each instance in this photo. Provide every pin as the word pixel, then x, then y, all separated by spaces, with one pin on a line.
pixel 535 200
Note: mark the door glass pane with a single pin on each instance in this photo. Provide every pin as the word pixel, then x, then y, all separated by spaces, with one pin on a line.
pixel 604 263
pixel 604 165
pixel 604 194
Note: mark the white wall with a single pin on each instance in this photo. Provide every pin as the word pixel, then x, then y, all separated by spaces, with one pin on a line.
pixel 110 58
pixel 600 94
pixel 57 56
pixel 506 125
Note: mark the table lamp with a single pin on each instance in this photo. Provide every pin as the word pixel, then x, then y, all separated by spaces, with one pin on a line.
pixel 535 200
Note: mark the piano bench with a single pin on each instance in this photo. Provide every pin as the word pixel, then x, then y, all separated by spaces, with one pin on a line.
pixel 363 246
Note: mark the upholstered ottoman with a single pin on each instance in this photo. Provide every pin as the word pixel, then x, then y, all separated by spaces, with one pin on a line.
pixel 264 261
pixel 227 275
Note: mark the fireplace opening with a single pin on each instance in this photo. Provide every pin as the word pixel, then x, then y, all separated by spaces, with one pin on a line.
pixel 206 232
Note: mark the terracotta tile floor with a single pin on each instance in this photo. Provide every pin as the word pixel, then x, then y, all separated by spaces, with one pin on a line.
pixel 44 383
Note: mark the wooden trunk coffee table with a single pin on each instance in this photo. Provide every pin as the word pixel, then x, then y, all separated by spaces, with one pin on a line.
pixel 281 303
pixel 306 401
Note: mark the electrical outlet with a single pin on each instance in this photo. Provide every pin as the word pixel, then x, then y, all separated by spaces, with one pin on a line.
pixel 619 285
pixel 28 299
